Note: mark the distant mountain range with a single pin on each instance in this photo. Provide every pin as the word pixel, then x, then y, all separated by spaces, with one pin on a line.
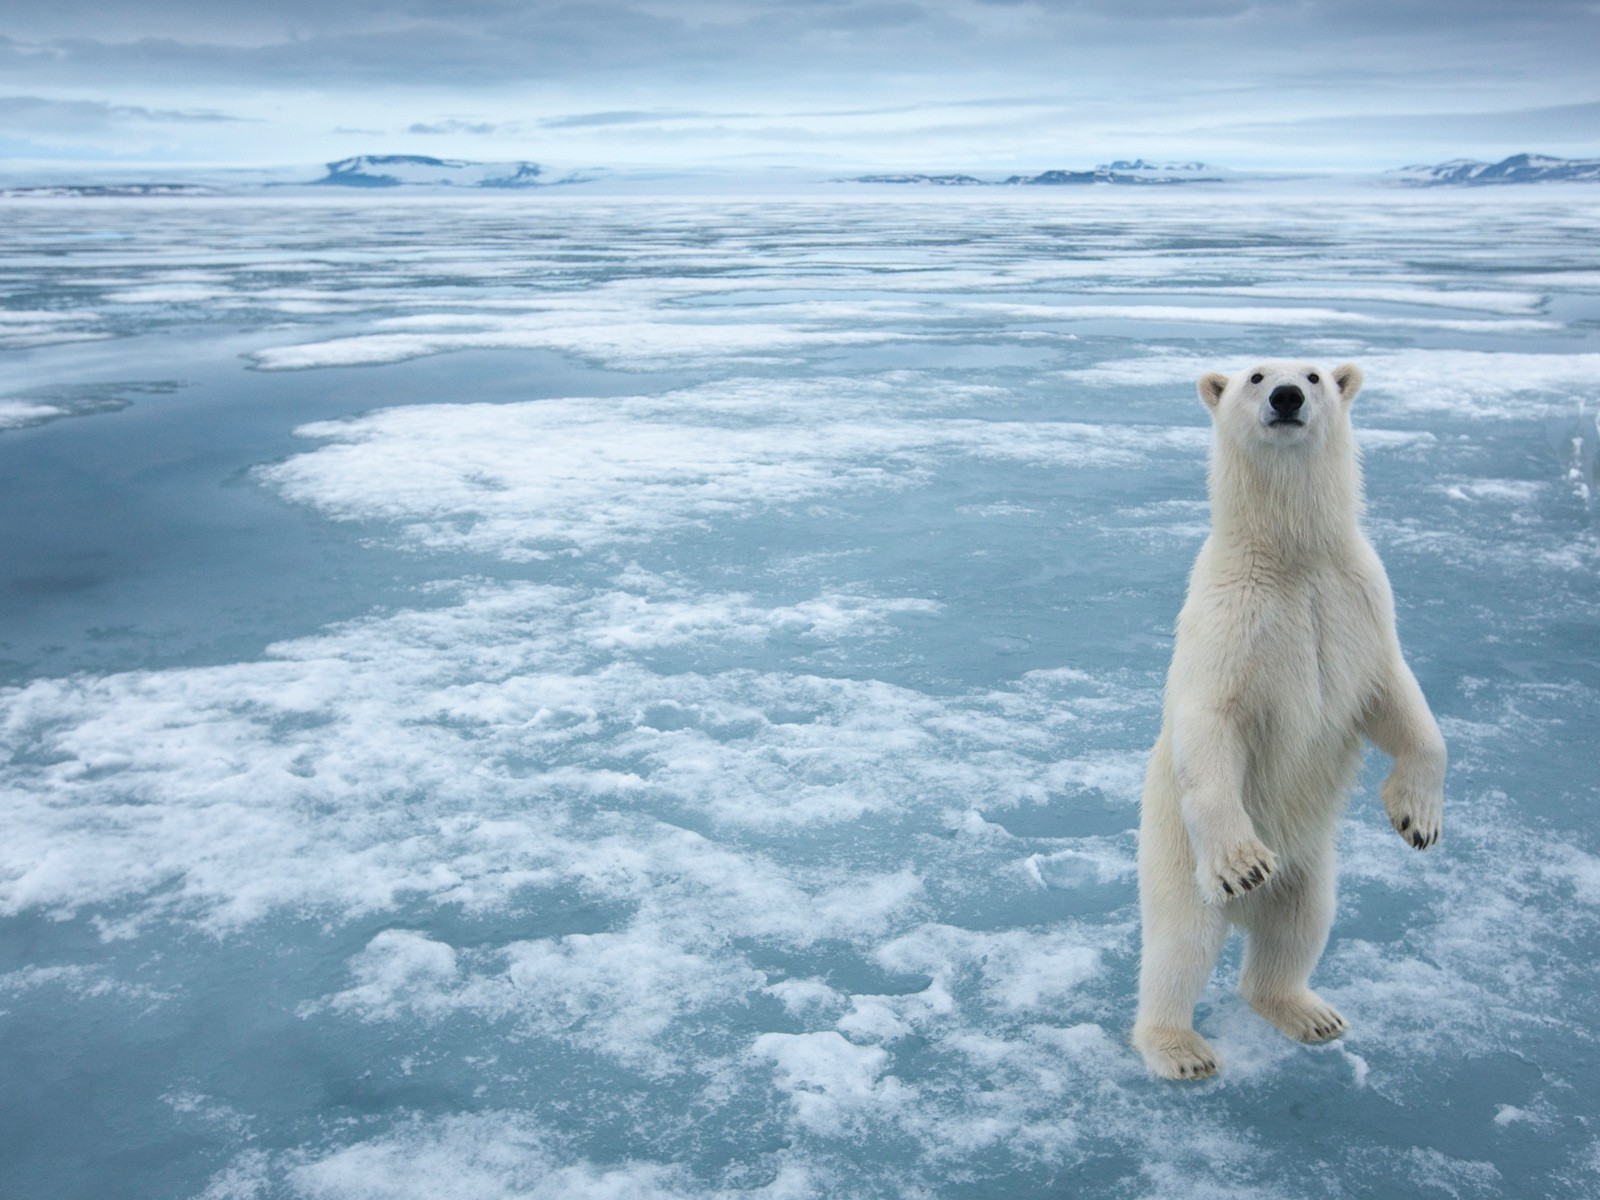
pixel 416 170
pixel 1519 168
pixel 110 189
pixel 932 180
pixel 377 172
pixel 1136 172
pixel 365 171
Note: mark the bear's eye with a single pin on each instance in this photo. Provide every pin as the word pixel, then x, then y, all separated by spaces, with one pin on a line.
pixel 1314 377
pixel 1256 378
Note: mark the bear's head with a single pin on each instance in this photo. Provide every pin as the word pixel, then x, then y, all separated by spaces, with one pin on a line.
pixel 1281 403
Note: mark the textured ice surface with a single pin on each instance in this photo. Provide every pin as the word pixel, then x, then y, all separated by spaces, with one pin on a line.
pixel 531 697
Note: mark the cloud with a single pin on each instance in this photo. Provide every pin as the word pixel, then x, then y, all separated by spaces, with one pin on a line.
pixel 613 79
pixel 636 117
pixel 455 125
pixel 36 114
pixel 349 46
pixel 646 116
pixel 760 41
pixel 1560 121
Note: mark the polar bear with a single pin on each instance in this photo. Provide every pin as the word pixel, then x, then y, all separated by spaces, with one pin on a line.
pixel 1285 656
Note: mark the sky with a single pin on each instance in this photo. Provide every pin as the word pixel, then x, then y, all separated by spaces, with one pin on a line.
pixel 936 85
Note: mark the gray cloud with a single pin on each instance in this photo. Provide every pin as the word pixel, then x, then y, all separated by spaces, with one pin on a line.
pixel 354 46
pixel 455 125
pixel 38 115
pixel 489 42
pixel 1560 121
pixel 634 117
pixel 1258 74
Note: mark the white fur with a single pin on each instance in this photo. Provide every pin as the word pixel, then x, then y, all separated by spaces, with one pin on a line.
pixel 1286 655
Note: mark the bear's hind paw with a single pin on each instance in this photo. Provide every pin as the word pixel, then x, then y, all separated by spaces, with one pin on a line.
pixel 1305 1018
pixel 1176 1053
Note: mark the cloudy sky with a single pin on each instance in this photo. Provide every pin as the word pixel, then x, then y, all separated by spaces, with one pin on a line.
pixel 980 85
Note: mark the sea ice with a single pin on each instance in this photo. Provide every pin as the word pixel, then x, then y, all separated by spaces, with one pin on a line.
pixel 709 765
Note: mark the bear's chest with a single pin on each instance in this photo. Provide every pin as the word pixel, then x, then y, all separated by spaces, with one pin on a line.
pixel 1309 651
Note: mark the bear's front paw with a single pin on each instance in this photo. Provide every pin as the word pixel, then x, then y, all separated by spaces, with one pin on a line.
pixel 1416 815
pixel 1234 870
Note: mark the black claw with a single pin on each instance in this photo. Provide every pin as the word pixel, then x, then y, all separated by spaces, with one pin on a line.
pixel 1405 824
pixel 1226 887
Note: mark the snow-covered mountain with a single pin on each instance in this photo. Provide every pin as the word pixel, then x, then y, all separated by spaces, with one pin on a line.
pixel 416 170
pixel 1135 172
pixel 1122 171
pixel 101 190
pixel 1055 177
pixel 1519 168
pixel 935 180
pixel 1139 171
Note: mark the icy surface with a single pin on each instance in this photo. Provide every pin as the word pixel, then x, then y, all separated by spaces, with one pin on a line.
pixel 543 698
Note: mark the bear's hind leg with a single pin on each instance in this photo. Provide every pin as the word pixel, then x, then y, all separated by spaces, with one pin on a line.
pixel 1286 930
pixel 1182 938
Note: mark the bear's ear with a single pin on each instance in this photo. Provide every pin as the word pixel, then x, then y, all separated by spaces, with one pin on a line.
pixel 1212 386
pixel 1348 377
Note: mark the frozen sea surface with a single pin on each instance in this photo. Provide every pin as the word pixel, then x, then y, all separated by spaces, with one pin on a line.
pixel 561 698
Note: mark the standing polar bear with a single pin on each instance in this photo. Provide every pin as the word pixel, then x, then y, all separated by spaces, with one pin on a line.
pixel 1286 654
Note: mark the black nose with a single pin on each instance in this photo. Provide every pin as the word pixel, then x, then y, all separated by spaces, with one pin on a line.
pixel 1287 399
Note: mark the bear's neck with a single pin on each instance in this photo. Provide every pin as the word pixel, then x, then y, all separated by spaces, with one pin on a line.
pixel 1290 507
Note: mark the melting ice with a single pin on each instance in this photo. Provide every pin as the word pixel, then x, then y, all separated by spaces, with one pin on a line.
pixel 547 697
